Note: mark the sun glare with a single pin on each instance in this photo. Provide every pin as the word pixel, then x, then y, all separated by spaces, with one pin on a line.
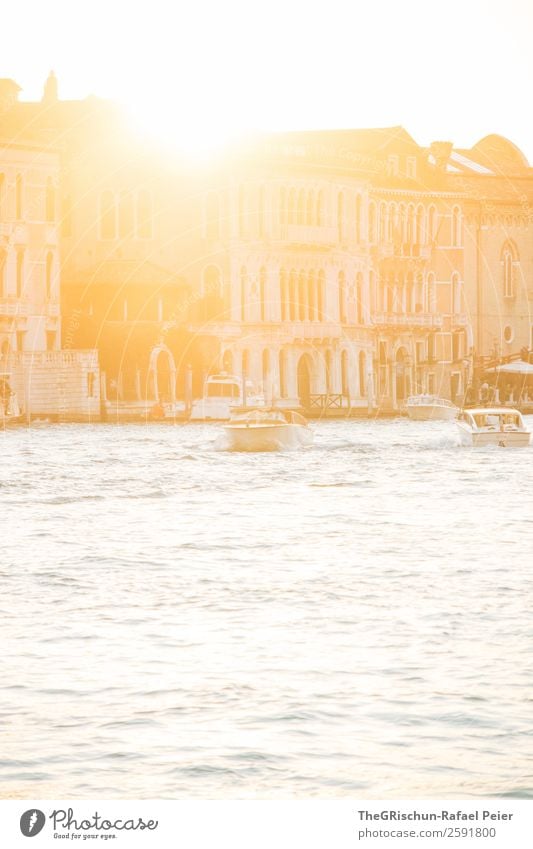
pixel 199 136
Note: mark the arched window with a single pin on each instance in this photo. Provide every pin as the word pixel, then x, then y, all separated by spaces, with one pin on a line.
pixel 20 273
pixel 125 217
pixel 261 212
pixel 300 217
pixel 282 375
pixel 310 212
pixel 456 294
pixel 431 293
pixel 292 207
pixel 283 206
pixel 262 294
pixel 329 373
pixel 311 296
pixel 340 216
pixel 509 257
pixel 344 373
pixel 410 235
pixel 18 196
pixel 456 227
pixel 50 200
pixel 292 295
pixel 3 258
pixel 419 226
pixel 359 298
pixel 212 216
pixel 342 297
pixel 48 274
pixel 244 293
pixel 382 222
pixel 320 294
pixel 362 374
pixel 320 208
pixel 212 304
pixel 284 295
pixel 372 223
pixel 108 216
pixel 302 297
pixel 358 218
pixel 266 368
pixel 432 224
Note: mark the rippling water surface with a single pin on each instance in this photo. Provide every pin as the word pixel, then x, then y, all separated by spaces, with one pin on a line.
pixel 352 619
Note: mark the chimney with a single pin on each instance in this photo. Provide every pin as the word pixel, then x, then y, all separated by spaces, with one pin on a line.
pixel 50 89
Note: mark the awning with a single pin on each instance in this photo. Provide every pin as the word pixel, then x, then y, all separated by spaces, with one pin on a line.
pixel 518 367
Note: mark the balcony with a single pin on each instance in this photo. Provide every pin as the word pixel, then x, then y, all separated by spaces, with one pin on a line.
pixel 422 320
pixel 309 234
pixel 12 307
pixel 398 250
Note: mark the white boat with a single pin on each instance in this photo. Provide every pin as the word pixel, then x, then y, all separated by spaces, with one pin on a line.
pixel 503 426
pixel 222 393
pixel 9 407
pixel 430 407
pixel 267 430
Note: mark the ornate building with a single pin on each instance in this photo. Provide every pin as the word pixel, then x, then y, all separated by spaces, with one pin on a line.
pixel 351 265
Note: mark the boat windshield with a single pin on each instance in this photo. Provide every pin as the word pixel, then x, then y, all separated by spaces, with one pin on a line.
pixel 223 390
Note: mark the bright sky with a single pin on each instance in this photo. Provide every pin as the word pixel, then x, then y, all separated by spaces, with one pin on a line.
pixel 199 71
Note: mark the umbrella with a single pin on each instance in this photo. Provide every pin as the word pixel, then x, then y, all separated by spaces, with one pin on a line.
pixel 512 368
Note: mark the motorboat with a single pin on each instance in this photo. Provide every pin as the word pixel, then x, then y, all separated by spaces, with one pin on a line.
pixel 502 426
pixel 222 393
pixel 267 430
pixel 9 407
pixel 430 408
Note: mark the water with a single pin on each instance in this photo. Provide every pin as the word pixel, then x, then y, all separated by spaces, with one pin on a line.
pixel 353 619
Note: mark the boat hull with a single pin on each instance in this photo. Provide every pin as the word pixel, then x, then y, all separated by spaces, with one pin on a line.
pixel 266 437
pixel 424 413
pixel 502 439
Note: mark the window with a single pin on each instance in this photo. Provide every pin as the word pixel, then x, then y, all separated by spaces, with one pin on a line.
pixel 410 167
pixel 456 227
pixel 244 287
pixel 344 374
pixel 432 224
pixel 342 297
pixel 359 298
pixel 48 274
pixel 91 384
pixel 320 208
pixel 282 375
pixel 50 201
pixel 18 196
pixel 362 374
pixel 21 338
pixel 431 384
pixel 144 215
pixel 125 218
pixel 20 273
pixel 393 165
pixel 508 261
pixel 108 223
pixel 372 223
pixel 340 216
pixel 358 218
pixel 262 293
pixel 3 258
pixel 508 334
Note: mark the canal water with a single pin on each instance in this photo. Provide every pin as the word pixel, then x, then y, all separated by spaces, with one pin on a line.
pixel 348 620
